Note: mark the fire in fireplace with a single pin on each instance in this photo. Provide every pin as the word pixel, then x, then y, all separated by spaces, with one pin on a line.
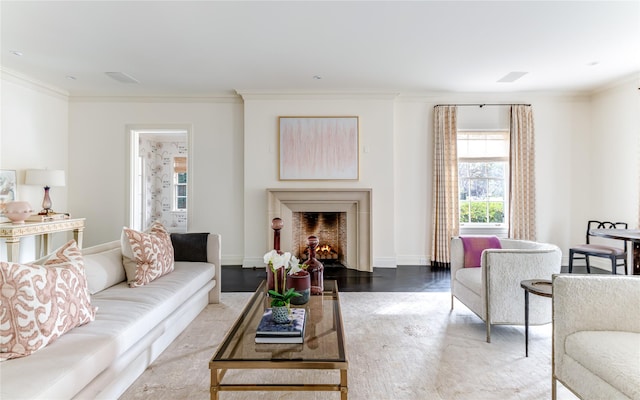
pixel 331 230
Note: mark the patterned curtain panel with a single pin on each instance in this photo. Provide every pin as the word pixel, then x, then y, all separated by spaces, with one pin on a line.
pixel 445 184
pixel 522 219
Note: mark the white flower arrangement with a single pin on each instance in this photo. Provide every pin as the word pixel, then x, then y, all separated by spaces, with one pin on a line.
pixel 275 261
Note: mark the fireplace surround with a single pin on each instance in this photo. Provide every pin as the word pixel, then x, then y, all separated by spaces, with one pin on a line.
pixel 355 203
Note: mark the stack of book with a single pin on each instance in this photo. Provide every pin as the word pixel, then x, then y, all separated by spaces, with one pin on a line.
pixel 292 332
pixel 47 217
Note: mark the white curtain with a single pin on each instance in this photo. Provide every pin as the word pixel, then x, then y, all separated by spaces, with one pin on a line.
pixel 445 184
pixel 522 219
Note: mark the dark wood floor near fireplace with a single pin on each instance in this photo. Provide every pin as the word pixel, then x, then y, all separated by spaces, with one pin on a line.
pixel 405 278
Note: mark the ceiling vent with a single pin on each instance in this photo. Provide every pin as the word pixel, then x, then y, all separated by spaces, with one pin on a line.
pixel 512 76
pixel 122 77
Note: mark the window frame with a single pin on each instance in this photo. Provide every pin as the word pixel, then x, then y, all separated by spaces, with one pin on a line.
pixel 487 227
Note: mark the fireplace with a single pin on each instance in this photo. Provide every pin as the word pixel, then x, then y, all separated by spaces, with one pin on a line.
pixel 340 218
pixel 331 230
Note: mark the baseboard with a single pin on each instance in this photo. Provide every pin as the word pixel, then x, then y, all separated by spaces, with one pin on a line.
pixel 385 262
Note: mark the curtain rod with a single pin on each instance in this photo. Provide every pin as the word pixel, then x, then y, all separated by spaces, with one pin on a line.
pixel 480 105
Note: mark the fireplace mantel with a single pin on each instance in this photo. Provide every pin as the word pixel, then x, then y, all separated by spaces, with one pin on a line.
pixel 356 203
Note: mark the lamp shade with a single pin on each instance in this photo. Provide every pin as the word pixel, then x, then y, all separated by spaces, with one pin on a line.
pixel 45 177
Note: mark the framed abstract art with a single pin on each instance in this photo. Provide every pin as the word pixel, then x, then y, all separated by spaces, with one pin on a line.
pixel 319 148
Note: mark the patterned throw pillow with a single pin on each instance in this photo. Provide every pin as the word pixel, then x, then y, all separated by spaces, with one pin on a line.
pixel 146 255
pixel 39 303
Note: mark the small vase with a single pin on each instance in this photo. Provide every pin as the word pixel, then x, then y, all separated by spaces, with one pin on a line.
pixel 314 267
pixel 280 315
pixel 301 283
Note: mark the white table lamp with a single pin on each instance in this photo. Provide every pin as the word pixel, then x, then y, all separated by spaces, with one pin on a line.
pixel 47 178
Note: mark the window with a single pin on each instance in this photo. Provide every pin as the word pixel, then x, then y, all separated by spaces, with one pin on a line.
pixel 180 183
pixel 483 177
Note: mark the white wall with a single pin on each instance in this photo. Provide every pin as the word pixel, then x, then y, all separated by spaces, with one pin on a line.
pixel 235 159
pixel 611 175
pixel 614 157
pixel 98 150
pixel 376 117
pixel 34 136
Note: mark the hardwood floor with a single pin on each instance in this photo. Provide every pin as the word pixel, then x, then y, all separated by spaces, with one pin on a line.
pixel 405 278
pixel 409 278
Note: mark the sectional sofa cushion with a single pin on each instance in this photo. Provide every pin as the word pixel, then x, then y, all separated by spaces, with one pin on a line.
pixel 127 322
pixel 146 255
pixel 40 303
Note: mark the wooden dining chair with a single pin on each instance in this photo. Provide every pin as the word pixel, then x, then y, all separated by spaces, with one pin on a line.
pixel 613 253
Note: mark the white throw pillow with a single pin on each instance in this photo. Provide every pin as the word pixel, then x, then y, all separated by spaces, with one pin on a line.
pixel 104 269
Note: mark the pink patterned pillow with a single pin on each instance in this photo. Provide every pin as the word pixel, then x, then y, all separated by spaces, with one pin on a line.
pixel 42 302
pixel 146 255
pixel 475 245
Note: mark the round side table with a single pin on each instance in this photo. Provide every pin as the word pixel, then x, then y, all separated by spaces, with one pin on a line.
pixel 540 287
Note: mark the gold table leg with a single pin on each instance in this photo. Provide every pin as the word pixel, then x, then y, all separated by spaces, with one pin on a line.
pixel 344 391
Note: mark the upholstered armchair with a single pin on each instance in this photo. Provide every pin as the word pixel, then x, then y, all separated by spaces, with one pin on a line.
pixel 492 291
pixel 596 336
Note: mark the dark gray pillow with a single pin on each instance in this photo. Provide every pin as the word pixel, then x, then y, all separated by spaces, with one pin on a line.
pixel 189 246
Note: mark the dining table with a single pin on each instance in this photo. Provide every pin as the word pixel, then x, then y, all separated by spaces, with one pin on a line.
pixel 632 235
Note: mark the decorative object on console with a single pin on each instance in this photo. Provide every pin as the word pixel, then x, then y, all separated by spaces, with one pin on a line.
pixel 17 211
pixel 47 178
pixel 48 217
pixel 314 267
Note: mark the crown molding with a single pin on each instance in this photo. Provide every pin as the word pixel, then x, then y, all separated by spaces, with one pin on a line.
pixel 306 95
pixel 216 98
pixel 31 83
pixel 633 78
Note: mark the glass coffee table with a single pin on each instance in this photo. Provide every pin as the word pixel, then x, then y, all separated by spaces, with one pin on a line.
pixel 323 347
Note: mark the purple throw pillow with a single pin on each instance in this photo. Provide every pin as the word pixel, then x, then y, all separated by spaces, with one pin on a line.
pixel 475 245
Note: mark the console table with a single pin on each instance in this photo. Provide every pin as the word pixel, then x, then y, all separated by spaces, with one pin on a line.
pixel 13 232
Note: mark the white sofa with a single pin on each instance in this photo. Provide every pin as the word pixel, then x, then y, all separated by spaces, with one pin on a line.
pixel 101 359
pixel 493 291
pixel 596 336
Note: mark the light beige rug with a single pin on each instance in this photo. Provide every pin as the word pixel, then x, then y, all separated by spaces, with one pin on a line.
pixel 399 345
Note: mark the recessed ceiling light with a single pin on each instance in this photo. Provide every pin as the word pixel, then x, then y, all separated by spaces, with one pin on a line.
pixel 16 53
pixel 512 76
pixel 122 77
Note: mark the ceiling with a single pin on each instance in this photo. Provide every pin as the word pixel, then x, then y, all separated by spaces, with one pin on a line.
pixel 204 48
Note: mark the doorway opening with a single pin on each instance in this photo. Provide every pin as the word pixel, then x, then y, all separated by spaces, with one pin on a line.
pixel 159 184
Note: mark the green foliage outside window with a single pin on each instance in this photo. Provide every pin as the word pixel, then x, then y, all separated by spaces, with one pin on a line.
pixel 476 211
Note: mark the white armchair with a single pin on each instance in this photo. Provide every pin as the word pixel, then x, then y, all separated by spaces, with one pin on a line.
pixel 596 336
pixel 493 291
